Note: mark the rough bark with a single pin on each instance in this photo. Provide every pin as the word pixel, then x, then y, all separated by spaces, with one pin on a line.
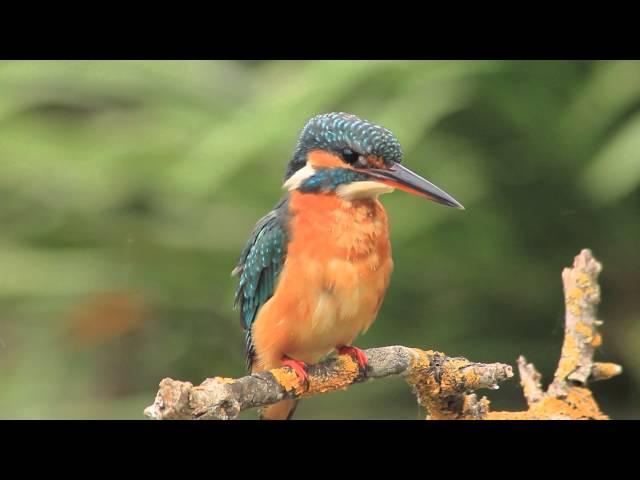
pixel 439 381
pixel 442 384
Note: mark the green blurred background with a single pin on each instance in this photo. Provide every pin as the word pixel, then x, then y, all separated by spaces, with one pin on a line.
pixel 129 188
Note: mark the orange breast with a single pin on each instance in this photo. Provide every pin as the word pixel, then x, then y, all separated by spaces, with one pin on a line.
pixel 336 273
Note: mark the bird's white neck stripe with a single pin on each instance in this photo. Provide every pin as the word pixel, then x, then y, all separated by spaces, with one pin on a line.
pixel 295 180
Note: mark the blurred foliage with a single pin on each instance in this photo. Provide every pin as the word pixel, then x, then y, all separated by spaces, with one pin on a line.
pixel 128 190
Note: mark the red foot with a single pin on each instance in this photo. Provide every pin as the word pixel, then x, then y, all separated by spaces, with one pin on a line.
pixel 300 368
pixel 358 355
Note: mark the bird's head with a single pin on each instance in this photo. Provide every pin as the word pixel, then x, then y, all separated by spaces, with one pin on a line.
pixel 342 154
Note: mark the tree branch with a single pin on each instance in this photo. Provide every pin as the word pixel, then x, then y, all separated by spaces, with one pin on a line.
pixel 530 381
pixel 567 398
pixel 439 381
pixel 582 296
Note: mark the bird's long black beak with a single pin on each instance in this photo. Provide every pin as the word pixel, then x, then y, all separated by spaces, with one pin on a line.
pixel 398 176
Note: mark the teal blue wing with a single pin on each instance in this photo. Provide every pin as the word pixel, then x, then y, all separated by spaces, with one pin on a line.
pixel 259 267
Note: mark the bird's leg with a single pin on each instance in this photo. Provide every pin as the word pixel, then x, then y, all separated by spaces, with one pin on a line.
pixel 300 369
pixel 357 354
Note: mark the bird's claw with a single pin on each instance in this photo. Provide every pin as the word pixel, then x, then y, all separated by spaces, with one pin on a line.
pixel 357 354
pixel 299 368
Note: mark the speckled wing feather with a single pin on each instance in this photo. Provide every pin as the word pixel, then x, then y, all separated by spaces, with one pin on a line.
pixel 259 266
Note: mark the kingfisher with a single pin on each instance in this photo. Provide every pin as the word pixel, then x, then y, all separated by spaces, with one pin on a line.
pixel 315 269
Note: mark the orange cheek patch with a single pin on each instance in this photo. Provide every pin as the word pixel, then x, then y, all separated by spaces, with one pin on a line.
pixel 322 159
pixel 375 162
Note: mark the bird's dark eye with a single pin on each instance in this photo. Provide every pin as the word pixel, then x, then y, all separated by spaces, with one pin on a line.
pixel 349 156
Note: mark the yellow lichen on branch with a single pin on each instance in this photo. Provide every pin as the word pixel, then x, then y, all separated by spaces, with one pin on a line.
pixel 442 380
pixel 578 404
pixel 441 383
pixel 345 373
pixel 568 397
pixel 582 296
pixel 604 371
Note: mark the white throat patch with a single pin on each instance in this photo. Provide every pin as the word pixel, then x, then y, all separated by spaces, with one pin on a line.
pixel 365 189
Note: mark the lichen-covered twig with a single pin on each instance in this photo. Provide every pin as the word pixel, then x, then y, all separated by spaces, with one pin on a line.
pixel 530 381
pixel 440 382
pixel 568 397
pixel 581 296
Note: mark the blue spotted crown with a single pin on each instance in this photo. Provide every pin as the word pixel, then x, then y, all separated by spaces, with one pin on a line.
pixel 338 131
